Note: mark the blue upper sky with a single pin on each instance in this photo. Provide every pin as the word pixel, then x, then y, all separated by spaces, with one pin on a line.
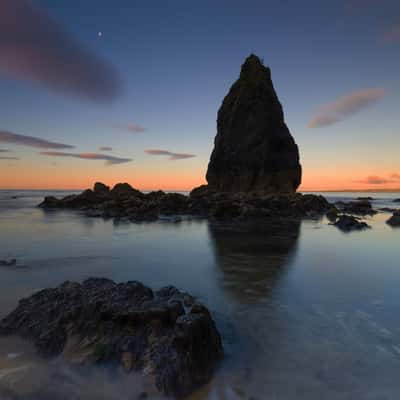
pixel 176 61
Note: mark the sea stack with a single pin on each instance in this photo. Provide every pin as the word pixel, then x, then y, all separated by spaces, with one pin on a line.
pixel 253 149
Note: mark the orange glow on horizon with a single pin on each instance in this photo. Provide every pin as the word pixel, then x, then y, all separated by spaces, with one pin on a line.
pixel 172 176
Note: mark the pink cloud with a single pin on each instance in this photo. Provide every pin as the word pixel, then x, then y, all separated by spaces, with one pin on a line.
pixel 171 155
pixel 374 180
pixel 9 158
pixel 345 107
pixel 110 160
pixel 33 47
pixel 130 127
pixel 379 180
pixel 30 141
pixel 392 34
pixel 135 128
pixel 395 176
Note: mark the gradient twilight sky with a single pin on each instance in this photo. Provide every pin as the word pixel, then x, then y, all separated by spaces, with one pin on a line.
pixel 129 90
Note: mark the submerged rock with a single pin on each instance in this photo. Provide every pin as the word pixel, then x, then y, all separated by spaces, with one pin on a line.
pixel 164 334
pixel 348 223
pixel 253 149
pixel 332 214
pixel 367 198
pixel 8 262
pixel 388 209
pixel 394 220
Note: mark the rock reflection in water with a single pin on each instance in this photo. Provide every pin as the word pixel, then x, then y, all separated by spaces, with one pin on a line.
pixel 253 256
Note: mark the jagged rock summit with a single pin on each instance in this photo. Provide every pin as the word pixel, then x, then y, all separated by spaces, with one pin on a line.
pixel 253 150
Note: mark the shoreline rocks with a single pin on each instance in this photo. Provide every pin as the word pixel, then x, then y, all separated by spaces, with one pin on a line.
pixel 394 220
pixel 348 223
pixel 166 334
pixel 135 206
pixel 358 207
pixel 367 198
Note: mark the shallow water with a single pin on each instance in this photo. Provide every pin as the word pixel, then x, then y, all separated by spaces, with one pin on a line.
pixel 305 311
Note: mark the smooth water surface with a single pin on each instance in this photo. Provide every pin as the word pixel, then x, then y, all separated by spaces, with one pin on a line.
pixel 305 311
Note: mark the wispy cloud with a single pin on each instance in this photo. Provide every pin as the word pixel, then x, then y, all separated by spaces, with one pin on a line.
pixel 35 48
pixel 171 155
pixel 31 141
pixel 9 158
pixel 135 128
pixel 105 148
pixel 345 107
pixel 392 34
pixel 374 180
pixel 379 180
pixel 131 127
pixel 110 160
pixel 360 4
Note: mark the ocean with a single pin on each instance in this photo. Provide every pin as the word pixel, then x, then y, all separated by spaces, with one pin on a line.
pixel 305 311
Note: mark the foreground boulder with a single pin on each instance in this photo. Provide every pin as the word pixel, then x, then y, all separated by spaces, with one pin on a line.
pixel 348 223
pixel 253 149
pixel 166 335
pixel 394 220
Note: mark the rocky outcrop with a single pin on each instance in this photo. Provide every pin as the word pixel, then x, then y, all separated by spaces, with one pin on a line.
pixel 101 189
pixel 332 214
pixel 359 207
pixel 125 191
pixel 242 206
pixel 253 150
pixel 253 172
pixel 133 205
pixel 165 334
pixel 394 220
pixel 348 223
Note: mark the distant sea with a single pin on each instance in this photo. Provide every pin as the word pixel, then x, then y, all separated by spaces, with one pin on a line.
pixel 305 311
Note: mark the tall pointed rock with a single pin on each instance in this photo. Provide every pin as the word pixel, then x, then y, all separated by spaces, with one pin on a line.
pixel 253 149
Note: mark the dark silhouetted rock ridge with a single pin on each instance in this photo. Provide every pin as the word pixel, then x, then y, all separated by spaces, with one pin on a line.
pixel 253 149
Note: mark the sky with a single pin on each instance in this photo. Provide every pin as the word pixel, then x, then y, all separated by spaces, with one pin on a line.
pixel 128 91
